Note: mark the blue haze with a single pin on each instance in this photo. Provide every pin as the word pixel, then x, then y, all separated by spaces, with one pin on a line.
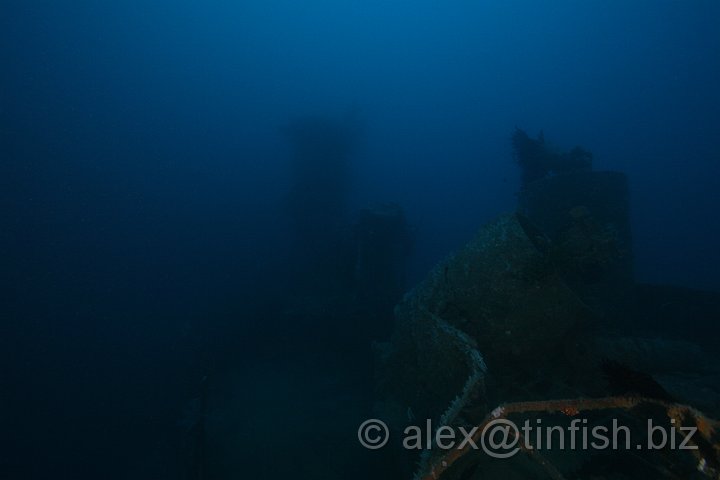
pixel 143 177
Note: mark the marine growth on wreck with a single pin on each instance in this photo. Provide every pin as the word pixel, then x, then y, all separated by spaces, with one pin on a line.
pixel 525 324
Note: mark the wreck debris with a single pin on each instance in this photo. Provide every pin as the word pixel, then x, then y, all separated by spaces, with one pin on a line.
pixel 529 296
pixel 322 148
pixel 584 213
pixel 537 160
pixel 382 240
pixel 707 443
pixel 504 292
pixel 499 295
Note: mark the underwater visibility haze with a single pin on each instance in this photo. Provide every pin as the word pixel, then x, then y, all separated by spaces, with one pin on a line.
pixel 299 239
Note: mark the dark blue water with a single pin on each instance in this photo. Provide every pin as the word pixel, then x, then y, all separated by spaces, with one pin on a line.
pixel 147 239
